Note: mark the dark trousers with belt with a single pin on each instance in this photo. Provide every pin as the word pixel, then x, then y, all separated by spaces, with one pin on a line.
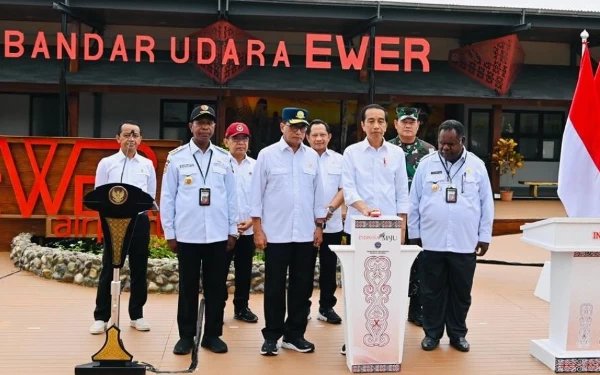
pixel 328 270
pixel 138 265
pixel 446 283
pixel 300 257
pixel 241 255
pixel 212 259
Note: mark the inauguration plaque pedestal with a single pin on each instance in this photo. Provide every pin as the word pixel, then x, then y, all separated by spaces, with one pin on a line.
pixel 574 342
pixel 119 206
pixel 375 275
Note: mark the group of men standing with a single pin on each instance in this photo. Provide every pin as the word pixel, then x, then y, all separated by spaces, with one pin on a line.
pixel 217 206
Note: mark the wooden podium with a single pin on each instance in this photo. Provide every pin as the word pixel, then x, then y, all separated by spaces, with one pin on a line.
pixel 574 343
pixel 375 275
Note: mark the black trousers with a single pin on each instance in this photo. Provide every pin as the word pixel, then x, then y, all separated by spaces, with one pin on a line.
pixel 328 270
pixel 212 259
pixel 300 257
pixel 241 255
pixel 138 266
pixel 446 283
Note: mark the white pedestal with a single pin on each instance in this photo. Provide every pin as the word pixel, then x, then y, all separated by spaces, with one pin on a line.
pixel 542 289
pixel 375 276
pixel 574 342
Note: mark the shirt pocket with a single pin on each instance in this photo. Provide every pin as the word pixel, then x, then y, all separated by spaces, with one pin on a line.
pixel 140 178
pixel 188 178
pixel 308 177
pixel 279 178
pixel 433 185
pixel 334 176
pixel 218 176
pixel 470 186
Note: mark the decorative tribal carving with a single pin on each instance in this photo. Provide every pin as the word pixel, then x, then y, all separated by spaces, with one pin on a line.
pixel 495 63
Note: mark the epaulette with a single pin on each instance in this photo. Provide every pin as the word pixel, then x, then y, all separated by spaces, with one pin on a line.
pixel 177 149
pixel 222 150
pixel 427 156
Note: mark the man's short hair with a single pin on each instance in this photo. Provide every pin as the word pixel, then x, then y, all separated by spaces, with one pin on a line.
pixel 363 113
pixel 130 123
pixel 455 125
pixel 318 122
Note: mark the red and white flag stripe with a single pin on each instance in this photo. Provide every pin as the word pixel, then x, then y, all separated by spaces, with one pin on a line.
pixel 579 169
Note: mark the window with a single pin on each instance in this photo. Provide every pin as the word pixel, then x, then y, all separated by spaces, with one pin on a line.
pixel 175 116
pixel 44 115
pixel 537 133
pixel 479 133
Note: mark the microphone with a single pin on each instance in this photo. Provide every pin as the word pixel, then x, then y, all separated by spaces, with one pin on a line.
pixel 127 153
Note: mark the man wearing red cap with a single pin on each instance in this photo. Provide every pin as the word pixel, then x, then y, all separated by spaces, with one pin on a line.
pixel 237 137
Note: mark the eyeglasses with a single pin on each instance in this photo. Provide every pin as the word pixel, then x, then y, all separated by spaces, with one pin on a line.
pixel 240 139
pixel 295 128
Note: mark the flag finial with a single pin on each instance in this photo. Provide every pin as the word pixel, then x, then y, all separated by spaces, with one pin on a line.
pixel 584 36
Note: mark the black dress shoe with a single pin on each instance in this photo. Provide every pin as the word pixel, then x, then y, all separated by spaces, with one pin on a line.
pixel 461 344
pixel 184 346
pixel 246 315
pixel 214 344
pixel 429 343
pixel 298 344
pixel 343 351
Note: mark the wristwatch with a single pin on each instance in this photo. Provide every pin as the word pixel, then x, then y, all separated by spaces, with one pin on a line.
pixel 320 225
pixel 331 209
pixel 236 236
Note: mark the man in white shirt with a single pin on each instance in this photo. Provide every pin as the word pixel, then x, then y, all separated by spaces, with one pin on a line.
pixel 198 212
pixel 374 174
pixel 288 212
pixel 129 167
pixel 451 218
pixel 237 139
pixel 319 135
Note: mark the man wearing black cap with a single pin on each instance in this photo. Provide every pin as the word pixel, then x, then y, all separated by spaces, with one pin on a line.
pixel 288 213
pixel 198 211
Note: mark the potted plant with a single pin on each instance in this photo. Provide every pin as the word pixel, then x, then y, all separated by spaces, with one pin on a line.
pixel 506 159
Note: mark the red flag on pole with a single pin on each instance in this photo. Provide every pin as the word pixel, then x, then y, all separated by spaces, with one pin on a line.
pixel 579 169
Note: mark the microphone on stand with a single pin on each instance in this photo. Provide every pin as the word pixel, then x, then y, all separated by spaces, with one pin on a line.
pixel 126 154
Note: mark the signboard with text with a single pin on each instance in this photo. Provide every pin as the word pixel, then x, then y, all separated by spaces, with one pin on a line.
pixel 43 181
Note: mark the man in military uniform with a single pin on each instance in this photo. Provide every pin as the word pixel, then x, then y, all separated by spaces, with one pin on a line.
pixel 199 215
pixel 407 125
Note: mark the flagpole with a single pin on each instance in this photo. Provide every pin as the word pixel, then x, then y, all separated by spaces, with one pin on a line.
pixel 584 37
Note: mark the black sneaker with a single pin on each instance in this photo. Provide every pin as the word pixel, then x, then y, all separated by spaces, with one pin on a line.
pixel 343 351
pixel 184 346
pixel 214 344
pixel 298 344
pixel 246 315
pixel 329 316
pixel 269 348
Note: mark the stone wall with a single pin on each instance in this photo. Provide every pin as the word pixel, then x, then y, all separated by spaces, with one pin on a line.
pixel 84 269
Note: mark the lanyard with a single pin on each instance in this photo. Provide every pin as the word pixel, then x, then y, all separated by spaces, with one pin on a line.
pixel 200 169
pixel 448 170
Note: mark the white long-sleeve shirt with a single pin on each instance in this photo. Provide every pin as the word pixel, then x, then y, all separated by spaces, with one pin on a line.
pixel 139 171
pixel 454 227
pixel 181 215
pixel 331 169
pixel 377 177
pixel 287 193
pixel 243 177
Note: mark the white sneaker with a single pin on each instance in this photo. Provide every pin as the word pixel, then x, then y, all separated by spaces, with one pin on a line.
pixel 98 327
pixel 140 324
